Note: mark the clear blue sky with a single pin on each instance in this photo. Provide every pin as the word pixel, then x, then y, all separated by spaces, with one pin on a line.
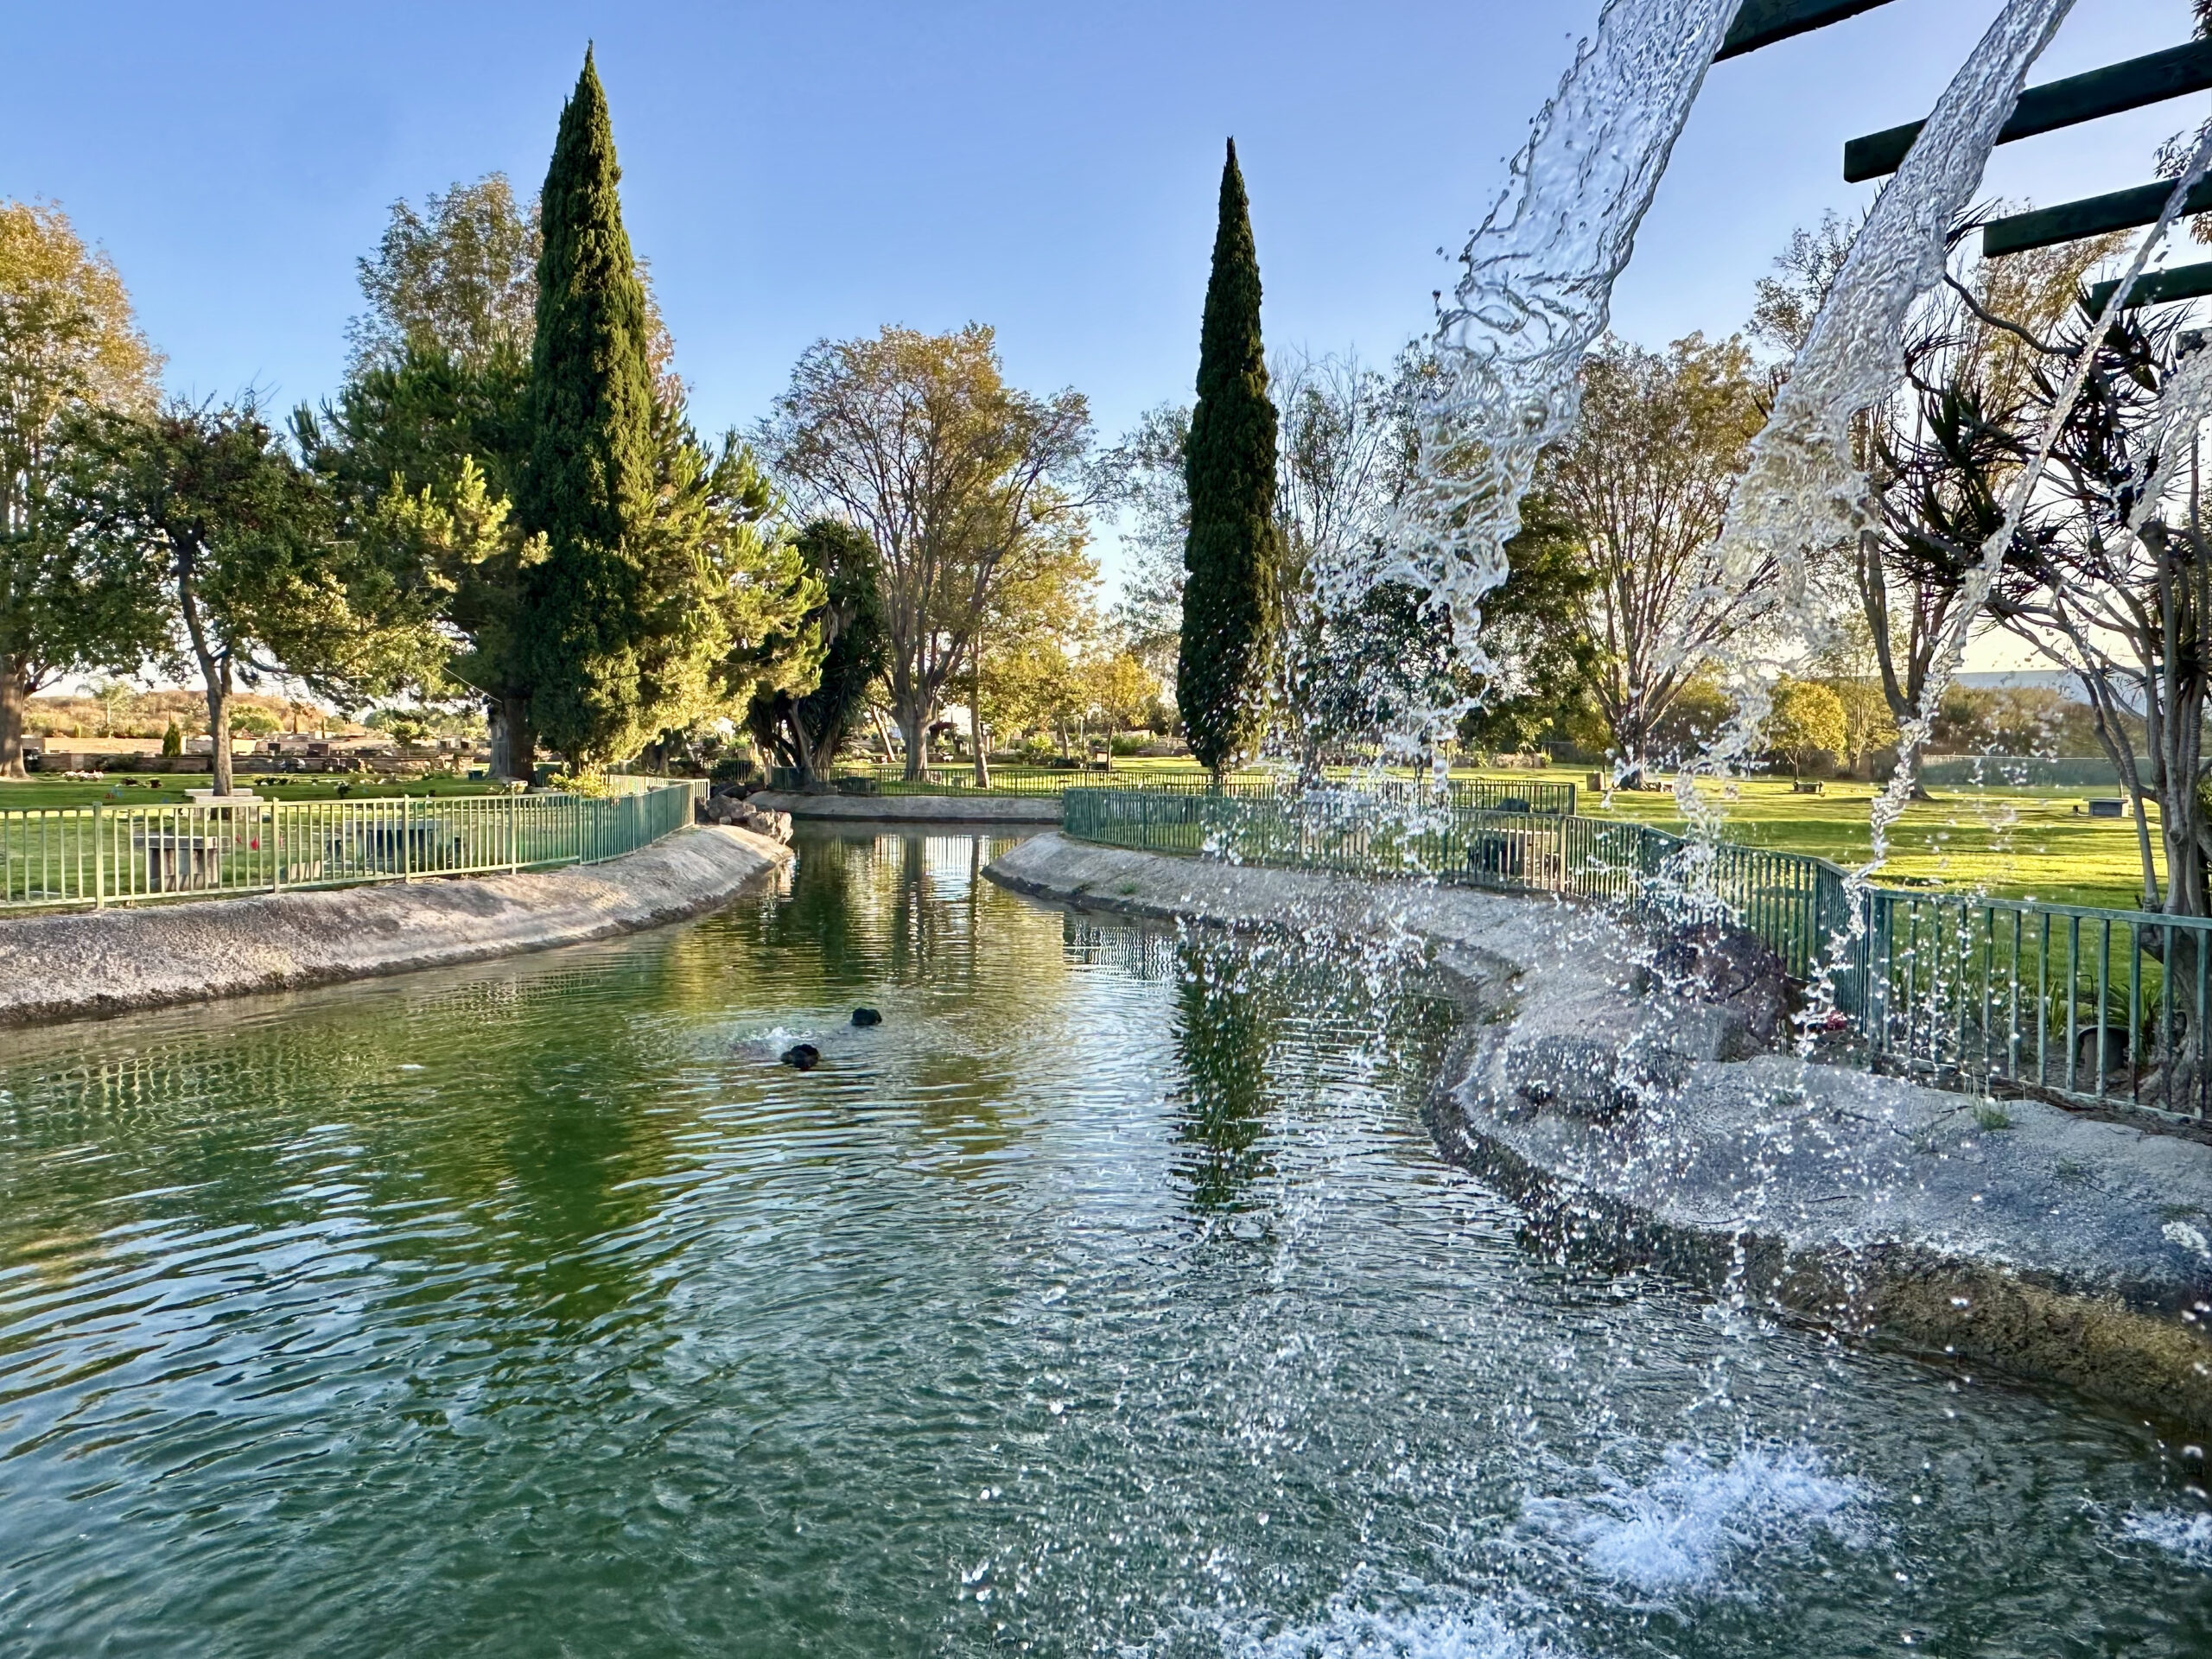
pixel 799 170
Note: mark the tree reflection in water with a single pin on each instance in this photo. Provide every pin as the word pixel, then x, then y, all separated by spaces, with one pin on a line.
pixel 1228 1019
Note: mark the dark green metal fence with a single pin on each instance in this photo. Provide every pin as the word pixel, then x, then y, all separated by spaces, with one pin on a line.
pixel 2109 1008
pixel 105 854
pixel 2100 1007
pixel 945 780
pixel 1533 795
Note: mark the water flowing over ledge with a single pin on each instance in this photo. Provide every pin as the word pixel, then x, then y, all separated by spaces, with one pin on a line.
pixel 2046 1244
pixel 59 967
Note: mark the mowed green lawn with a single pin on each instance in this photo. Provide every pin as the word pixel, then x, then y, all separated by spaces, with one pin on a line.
pixel 2011 843
pixel 154 789
pixel 2015 843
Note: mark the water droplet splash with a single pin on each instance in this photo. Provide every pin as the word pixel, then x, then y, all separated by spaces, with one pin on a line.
pixel 1679 1531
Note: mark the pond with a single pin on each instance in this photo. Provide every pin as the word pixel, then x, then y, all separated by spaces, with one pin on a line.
pixel 1109 1298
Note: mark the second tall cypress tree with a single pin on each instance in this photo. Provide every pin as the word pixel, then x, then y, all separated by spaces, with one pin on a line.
pixel 588 481
pixel 1231 558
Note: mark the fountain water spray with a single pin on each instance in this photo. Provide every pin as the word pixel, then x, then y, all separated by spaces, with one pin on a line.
pixel 1890 805
pixel 1804 492
pixel 1539 277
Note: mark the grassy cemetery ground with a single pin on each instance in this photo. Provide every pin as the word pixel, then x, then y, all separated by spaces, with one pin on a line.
pixel 2014 843
pixel 2010 842
pixel 159 789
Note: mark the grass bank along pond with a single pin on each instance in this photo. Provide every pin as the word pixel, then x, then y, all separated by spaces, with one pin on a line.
pixel 1109 1298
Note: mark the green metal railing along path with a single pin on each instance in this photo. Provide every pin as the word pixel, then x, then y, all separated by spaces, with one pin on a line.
pixel 1533 795
pixel 2098 1007
pixel 104 854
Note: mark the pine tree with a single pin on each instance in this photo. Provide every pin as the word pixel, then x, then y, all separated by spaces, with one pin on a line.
pixel 588 484
pixel 1231 555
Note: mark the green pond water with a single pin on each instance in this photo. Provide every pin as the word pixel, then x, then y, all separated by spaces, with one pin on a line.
pixel 1109 1299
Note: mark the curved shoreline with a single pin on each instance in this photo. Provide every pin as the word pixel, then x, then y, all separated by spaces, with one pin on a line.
pixel 71 966
pixel 2047 1245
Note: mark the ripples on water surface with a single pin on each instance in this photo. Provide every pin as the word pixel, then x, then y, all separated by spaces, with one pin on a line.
pixel 1109 1299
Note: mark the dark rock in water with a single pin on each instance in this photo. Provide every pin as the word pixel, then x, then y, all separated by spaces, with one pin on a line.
pixel 805 1056
pixel 867 1017
pixel 1732 970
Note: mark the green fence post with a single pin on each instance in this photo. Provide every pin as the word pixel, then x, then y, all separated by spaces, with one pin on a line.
pixel 99 859
pixel 406 838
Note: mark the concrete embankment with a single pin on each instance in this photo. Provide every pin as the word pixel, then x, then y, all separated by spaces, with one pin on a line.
pixel 1027 809
pixel 1635 1121
pixel 105 962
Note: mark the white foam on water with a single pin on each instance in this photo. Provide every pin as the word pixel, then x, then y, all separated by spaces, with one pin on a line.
pixel 2187 1534
pixel 1682 1530
pixel 1468 1630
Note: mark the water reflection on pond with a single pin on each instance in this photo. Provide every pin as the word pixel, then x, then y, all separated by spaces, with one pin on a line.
pixel 1109 1298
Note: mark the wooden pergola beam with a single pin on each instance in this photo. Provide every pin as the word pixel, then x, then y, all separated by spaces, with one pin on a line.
pixel 2157 287
pixel 2070 221
pixel 1762 22
pixel 2151 78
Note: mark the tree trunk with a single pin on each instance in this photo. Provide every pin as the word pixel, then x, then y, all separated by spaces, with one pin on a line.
pixel 514 745
pixel 214 672
pixel 802 747
pixel 913 726
pixel 976 711
pixel 219 727
pixel 14 693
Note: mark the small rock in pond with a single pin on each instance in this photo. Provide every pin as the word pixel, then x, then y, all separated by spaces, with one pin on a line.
pixel 867 1017
pixel 805 1056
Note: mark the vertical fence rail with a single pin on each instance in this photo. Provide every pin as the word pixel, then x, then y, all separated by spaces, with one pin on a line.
pixel 104 854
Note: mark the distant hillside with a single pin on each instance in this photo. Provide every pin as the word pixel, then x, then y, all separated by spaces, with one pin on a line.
pixel 148 713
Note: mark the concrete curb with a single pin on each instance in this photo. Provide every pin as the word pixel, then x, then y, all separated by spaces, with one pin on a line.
pixel 916 809
pixel 114 960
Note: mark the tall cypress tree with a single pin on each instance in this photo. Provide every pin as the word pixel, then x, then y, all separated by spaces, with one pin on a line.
pixel 588 482
pixel 1229 465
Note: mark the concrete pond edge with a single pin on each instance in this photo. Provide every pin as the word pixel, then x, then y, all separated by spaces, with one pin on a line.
pixel 1025 810
pixel 2055 1250
pixel 82 964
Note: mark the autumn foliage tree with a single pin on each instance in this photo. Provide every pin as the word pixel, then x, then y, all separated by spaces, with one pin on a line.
pixel 961 481
pixel 69 347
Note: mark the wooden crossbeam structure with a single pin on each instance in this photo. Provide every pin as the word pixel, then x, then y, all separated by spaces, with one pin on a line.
pixel 2138 82
pixel 2070 221
pixel 1762 22
pixel 2157 287
pixel 2152 79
